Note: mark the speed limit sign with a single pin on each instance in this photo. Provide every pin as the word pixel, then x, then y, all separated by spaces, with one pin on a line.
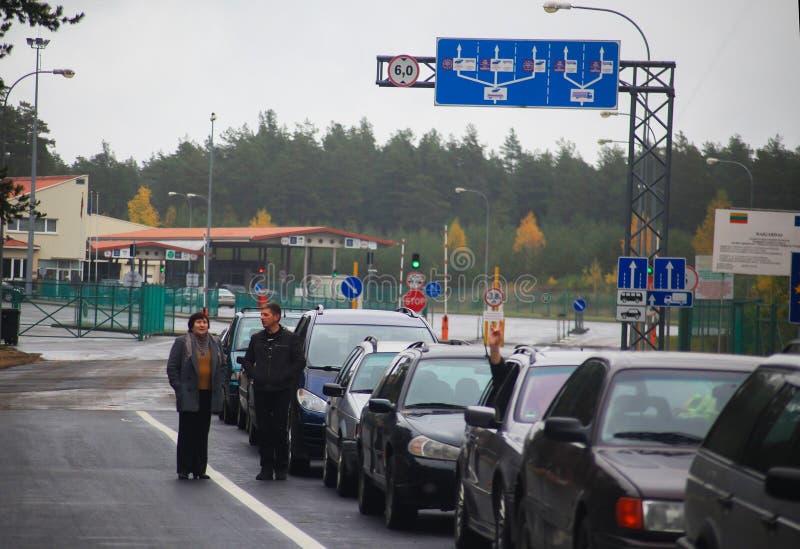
pixel 494 297
pixel 403 70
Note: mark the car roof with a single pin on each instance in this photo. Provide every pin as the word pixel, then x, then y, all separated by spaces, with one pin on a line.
pixel 256 312
pixel 366 316
pixel 621 360
pixel 562 357
pixel 783 359
pixel 444 350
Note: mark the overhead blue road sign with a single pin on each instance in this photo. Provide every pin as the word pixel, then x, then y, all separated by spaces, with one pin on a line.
pixel 669 273
pixel 527 73
pixel 794 290
pixel 579 305
pixel 352 287
pixel 669 298
pixel 433 289
pixel 632 273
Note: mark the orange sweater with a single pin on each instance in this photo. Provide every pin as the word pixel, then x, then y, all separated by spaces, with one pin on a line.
pixel 203 370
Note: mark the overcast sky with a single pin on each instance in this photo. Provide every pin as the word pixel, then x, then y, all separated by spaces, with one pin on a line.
pixel 150 72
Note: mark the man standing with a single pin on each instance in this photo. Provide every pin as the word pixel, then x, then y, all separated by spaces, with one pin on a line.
pixel 275 362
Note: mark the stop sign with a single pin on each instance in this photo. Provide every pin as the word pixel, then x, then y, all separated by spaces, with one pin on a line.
pixel 414 300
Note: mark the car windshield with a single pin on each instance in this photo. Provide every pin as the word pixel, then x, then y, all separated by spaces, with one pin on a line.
pixel 665 407
pixel 370 372
pixel 448 382
pixel 290 322
pixel 331 343
pixel 248 326
pixel 539 390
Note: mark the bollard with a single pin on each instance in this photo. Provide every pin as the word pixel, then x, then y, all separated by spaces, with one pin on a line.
pixel 445 328
pixel 262 300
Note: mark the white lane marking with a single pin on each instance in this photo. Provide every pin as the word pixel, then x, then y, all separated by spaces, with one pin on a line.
pixel 278 522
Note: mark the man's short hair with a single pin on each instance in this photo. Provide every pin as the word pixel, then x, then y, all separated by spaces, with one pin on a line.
pixel 274 308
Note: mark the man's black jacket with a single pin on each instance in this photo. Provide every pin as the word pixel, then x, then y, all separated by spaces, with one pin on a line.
pixel 274 361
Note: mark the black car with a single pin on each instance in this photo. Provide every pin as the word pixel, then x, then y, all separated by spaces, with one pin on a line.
pixel 412 427
pixel 488 465
pixel 607 466
pixel 328 336
pixel 349 393
pixel 743 489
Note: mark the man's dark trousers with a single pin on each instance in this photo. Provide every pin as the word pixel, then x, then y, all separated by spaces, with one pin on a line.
pixel 272 414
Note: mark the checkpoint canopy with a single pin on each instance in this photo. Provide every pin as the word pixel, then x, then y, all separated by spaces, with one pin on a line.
pixel 527 73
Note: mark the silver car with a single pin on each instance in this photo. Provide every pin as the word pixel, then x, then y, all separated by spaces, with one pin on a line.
pixel 349 392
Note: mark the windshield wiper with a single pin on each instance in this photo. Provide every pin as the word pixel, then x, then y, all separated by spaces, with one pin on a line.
pixel 433 405
pixel 666 438
pixel 326 368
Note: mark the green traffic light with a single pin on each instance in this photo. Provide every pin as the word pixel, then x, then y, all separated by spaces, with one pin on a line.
pixel 415 262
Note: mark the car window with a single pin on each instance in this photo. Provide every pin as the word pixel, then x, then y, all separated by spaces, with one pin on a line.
pixel 538 389
pixel 579 396
pixel 290 322
pixel 728 435
pixel 657 407
pixel 448 381
pixel 343 377
pixel 498 391
pixel 248 326
pixel 775 441
pixel 392 384
pixel 370 372
pixel 330 343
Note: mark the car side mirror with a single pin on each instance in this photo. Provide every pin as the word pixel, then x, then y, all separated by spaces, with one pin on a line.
pixel 565 429
pixel 239 360
pixel 380 406
pixel 332 390
pixel 481 416
pixel 783 483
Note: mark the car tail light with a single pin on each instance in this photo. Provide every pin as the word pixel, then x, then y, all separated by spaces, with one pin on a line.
pixel 629 513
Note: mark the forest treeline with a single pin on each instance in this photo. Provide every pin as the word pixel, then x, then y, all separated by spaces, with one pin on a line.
pixel 341 177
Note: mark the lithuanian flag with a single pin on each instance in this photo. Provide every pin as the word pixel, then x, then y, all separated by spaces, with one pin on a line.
pixel 738 217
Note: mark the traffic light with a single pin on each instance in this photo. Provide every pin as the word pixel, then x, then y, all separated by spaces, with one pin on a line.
pixel 261 270
pixel 415 262
pixel 335 273
pixel 163 268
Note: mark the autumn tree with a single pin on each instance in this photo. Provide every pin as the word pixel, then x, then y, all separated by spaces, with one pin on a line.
pixel 703 241
pixel 262 219
pixel 170 217
pixel 529 241
pixel 140 210
pixel 455 236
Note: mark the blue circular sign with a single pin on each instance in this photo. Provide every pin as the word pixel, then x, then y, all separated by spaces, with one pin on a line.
pixel 579 305
pixel 352 287
pixel 433 289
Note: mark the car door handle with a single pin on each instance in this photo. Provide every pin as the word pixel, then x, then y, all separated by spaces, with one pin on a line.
pixel 770 521
pixel 726 501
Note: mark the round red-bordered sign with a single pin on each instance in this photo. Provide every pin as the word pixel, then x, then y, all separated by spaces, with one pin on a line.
pixel 403 71
pixel 494 297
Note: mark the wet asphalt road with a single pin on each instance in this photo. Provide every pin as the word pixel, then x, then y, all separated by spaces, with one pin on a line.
pixel 80 467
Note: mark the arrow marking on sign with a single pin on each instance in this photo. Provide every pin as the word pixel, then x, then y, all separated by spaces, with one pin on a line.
pixel 633 274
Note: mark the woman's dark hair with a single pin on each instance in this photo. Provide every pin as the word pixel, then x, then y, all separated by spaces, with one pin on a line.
pixel 195 317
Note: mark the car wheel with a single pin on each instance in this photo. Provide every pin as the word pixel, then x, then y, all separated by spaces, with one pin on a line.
pixel 465 538
pixel 369 497
pixel 297 466
pixel 328 469
pixel 396 513
pixel 241 419
pixel 252 432
pixel 502 524
pixel 583 537
pixel 344 480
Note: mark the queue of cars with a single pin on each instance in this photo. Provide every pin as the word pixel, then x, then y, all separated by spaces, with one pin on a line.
pixel 572 449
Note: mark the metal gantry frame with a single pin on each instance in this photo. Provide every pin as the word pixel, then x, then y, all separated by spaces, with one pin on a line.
pixel 651 87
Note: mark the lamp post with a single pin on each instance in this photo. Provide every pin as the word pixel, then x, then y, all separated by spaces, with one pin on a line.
pixel 712 160
pixel 189 202
pixel 460 190
pixel 207 262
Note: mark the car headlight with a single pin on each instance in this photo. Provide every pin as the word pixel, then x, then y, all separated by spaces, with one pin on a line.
pixel 663 516
pixel 423 446
pixel 311 402
pixel 649 514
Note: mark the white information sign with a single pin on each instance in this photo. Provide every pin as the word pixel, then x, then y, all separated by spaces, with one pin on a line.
pixel 631 314
pixel 755 242
pixel 712 285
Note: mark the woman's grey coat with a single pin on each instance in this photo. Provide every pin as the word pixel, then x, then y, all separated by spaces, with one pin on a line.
pixel 182 374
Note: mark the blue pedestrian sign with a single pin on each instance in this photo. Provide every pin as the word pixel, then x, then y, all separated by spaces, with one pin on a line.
pixel 669 273
pixel 632 273
pixel 433 289
pixel 794 290
pixel 579 305
pixel 352 287
pixel 527 73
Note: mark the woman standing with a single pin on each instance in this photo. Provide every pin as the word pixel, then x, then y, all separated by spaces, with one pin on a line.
pixel 196 371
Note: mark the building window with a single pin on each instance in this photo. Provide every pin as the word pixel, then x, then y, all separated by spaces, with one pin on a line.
pixel 41 225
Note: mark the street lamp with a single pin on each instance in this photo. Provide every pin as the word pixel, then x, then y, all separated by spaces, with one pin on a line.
pixel 186 196
pixel 207 263
pixel 711 161
pixel 552 7
pixel 460 190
